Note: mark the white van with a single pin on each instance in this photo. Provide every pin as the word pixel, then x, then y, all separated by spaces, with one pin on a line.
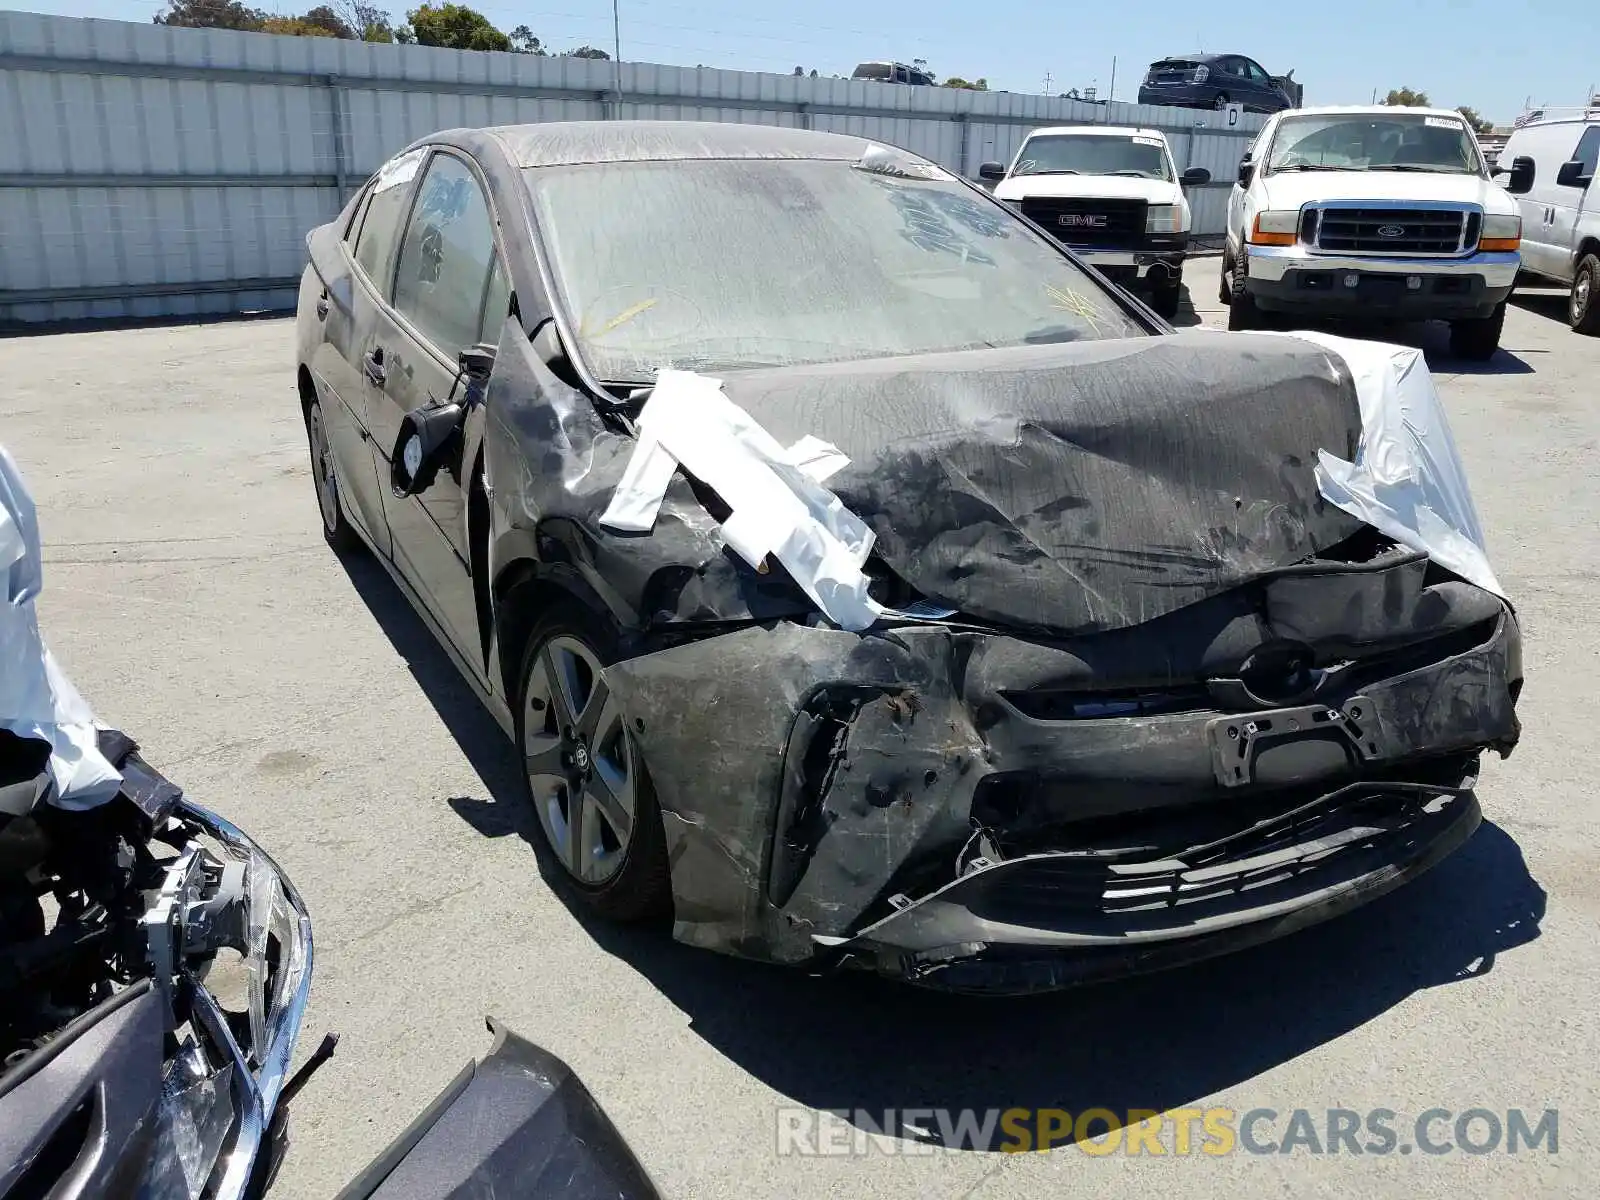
pixel 1111 194
pixel 1561 213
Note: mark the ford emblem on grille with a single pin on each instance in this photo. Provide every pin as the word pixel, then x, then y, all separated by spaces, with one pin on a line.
pixel 1083 220
pixel 1391 231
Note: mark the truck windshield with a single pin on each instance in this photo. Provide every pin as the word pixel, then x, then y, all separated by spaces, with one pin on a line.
pixel 1365 142
pixel 1094 154
pixel 722 264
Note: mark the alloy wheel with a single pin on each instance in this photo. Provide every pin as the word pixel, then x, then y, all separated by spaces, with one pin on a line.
pixel 581 762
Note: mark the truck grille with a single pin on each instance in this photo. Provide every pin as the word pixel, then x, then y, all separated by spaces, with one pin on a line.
pixel 1087 222
pixel 1392 230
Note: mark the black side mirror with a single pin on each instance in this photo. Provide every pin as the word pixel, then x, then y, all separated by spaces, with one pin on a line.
pixel 1522 173
pixel 992 170
pixel 428 435
pixel 477 363
pixel 1247 171
pixel 1570 175
pixel 1195 177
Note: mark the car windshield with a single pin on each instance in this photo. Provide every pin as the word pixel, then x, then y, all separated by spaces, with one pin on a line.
pixel 1094 154
pixel 722 264
pixel 1366 142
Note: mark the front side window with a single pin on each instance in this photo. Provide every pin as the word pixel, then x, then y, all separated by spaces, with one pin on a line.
pixel 1588 151
pixel 381 226
pixel 1138 157
pixel 446 258
pixel 1364 142
pixel 723 264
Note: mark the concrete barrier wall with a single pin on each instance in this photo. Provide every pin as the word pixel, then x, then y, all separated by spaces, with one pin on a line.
pixel 149 171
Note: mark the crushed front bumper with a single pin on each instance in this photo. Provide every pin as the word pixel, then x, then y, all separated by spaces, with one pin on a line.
pixel 886 799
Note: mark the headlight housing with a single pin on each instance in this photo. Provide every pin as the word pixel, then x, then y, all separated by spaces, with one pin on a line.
pixel 1275 227
pixel 1163 218
pixel 1014 205
pixel 1500 232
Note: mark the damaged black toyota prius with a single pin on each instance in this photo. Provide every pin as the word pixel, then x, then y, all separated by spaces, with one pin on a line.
pixel 866 582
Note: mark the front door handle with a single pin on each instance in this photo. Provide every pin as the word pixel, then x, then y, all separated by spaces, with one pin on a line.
pixel 322 306
pixel 372 364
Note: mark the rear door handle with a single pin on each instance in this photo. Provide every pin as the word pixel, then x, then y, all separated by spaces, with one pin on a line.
pixel 322 306
pixel 372 365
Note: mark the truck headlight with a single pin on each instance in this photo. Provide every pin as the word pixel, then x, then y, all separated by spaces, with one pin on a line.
pixel 1500 233
pixel 1013 205
pixel 1275 227
pixel 1163 218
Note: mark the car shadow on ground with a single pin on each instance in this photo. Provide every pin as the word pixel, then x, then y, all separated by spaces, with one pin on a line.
pixel 860 1046
pixel 1551 304
pixel 1433 339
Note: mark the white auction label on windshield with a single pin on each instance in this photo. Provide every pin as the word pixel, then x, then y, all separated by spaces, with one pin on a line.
pixel 1146 141
pixel 1441 123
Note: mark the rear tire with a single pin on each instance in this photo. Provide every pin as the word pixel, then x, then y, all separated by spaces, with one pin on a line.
pixel 583 774
pixel 1476 340
pixel 1224 288
pixel 1583 308
pixel 336 530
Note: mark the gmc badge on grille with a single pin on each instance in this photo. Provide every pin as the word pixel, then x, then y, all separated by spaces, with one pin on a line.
pixel 1083 220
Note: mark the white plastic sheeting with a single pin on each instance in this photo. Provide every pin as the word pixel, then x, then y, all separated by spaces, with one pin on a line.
pixel 779 506
pixel 36 699
pixel 1407 479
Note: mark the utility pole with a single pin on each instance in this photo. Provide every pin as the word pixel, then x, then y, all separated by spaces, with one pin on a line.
pixel 616 31
pixel 1111 92
pixel 1047 83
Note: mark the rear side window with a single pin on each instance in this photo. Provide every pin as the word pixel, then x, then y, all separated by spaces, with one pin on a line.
pixel 385 210
pixel 447 258
pixel 1588 151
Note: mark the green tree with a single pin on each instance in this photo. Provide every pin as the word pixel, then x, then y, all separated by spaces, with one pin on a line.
pixel 523 42
pixel 586 52
pixel 368 22
pixel 1478 124
pixel 210 14
pixel 975 85
pixel 1406 98
pixel 298 27
pixel 455 27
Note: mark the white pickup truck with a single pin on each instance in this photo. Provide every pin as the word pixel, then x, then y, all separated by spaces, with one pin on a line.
pixel 1373 212
pixel 1113 196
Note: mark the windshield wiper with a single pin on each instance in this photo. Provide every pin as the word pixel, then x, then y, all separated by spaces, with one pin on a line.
pixel 1314 167
pixel 1422 169
pixel 1132 173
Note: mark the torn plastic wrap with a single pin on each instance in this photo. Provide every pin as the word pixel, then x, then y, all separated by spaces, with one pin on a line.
pixel 1406 478
pixel 37 700
pixel 779 504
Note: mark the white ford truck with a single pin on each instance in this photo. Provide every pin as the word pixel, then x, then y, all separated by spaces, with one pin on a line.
pixel 1113 196
pixel 1373 212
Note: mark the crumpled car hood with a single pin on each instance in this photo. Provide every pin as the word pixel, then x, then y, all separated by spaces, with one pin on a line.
pixel 1082 486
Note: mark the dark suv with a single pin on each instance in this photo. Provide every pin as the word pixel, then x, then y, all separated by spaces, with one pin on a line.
pixel 1215 81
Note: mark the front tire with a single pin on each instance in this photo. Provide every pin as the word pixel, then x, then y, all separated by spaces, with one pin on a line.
pixel 336 530
pixel 1243 315
pixel 583 773
pixel 1476 340
pixel 1167 298
pixel 1583 307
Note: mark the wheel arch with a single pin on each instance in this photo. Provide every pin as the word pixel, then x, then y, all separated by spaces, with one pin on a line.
pixel 522 591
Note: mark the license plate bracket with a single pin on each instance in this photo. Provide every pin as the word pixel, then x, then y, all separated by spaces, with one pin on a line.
pixel 1237 741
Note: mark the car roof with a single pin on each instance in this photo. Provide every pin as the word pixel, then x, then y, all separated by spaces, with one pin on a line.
pixel 1102 130
pixel 1371 110
pixel 570 143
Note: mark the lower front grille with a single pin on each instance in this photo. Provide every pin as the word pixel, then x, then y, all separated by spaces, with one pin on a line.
pixel 1379 230
pixel 1079 221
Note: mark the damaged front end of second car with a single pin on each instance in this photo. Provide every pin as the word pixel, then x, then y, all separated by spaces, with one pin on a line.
pixel 1004 671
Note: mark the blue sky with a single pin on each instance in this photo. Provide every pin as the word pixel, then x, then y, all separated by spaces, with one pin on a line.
pixel 1484 53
